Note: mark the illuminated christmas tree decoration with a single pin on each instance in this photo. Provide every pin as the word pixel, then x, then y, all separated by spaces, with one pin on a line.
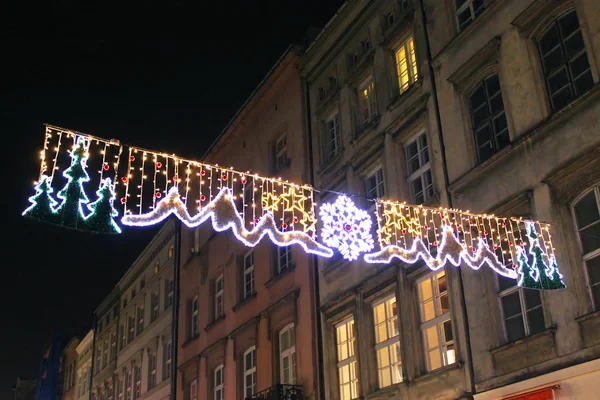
pixel 101 218
pixel 346 228
pixel 224 215
pixel 42 203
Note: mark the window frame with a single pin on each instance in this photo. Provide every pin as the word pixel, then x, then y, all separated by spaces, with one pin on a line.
pixel 284 251
pixel 154 303
pixel 473 13
pixel 168 360
pixel 194 318
pixel 278 153
pixel 410 58
pixel 219 298
pixel 171 252
pixel 249 371
pixel 152 370
pixel 330 153
pixel 137 377
pixel 221 386
pixel 420 172
pixel 169 295
pixel 374 174
pixel 348 360
pixel 390 341
pixel 288 352
pixel 367 103
pixel 194 390
pixel 248 275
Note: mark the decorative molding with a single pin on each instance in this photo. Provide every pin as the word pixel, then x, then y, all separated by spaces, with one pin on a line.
pixel 539 14
pixel 480 65
pixel 393 34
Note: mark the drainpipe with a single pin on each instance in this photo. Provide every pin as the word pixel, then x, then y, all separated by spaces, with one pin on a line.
pixel 315 259
pixel 436 106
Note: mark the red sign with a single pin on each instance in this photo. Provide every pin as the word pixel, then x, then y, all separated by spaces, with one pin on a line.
pixel 540 394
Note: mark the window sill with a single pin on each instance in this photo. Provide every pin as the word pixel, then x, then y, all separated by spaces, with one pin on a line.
pixel 244 301
pixel 400 97
pixel 330 162
pixel 437 372
pixel 280 275
pixel 190 340
pixel 525 339
pixel 365 128
pixel 388 391
pixel 214 323
pixel 525 352
pixel 589 326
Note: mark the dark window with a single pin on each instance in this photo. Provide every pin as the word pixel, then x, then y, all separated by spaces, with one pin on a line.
pixel 467 11
pixel 587 218
pixel 488 118
pixel 564 60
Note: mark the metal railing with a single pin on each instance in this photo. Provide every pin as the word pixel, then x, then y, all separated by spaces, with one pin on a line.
pixel 279 392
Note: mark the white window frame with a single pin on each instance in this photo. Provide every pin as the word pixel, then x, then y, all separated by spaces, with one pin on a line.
pixel 170 289
pixel 168 360
pixel 422 170
pixel 410 58
pixel 219 297
pixel 348 360
pixel 524 309
pixel 585 257
pixel 367 99
pixel 128 385
pixel 467 4
pixel 330 152
pixel 249 274
pixel 289 353
pixel 284 252
pixel 194 390
pixel 390 341
pixel 438 321
pixel 218 386
pixel 194 317
pixel 281 157
pixel 250 371
pixel 379 187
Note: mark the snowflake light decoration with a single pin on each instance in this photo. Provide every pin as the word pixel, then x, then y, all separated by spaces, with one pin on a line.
pixel 346 228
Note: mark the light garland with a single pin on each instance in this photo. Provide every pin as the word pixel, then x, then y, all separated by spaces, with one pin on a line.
pixel 221 210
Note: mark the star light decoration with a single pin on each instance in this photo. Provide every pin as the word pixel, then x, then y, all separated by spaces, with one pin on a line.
pixel 346 228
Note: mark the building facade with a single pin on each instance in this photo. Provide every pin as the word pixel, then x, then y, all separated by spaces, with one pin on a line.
pixel 247 321
pixel 84 367
pixel 105 346
pixel 69 369
pixel 519 102
pixel 143 363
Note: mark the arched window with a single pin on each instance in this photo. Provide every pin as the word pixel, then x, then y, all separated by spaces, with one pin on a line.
pixel 488 118
pixel 587 219
pixel 564 60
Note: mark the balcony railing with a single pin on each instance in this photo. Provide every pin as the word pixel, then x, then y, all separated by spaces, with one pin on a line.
pixel 279 392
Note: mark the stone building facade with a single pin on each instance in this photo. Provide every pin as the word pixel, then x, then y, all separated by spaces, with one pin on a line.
pixel 105 346
pixel 84 367
pixel 69 369
pixel 144 355
pixel 520 105
pixel 247 322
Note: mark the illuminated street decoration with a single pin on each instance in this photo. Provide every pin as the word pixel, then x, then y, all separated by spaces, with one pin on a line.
pixel 144 187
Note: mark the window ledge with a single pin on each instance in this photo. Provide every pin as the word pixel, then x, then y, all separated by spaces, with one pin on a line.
pixel 214 322
pixel 439 371
pixel 280 275
pixel 388 391
pixel 245 301
pixel 321 104
pixel 365 128
pixel 190 340
pixel 526 339
pixel 528 137
pixel 589 326
pixel 326 165
pixel 400 97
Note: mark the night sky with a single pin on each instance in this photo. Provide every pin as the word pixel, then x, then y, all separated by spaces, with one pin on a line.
pixel 166 77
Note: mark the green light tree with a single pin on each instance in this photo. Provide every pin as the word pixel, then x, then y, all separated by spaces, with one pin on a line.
pixel 42 203
pixel 72 194
pixel 102 217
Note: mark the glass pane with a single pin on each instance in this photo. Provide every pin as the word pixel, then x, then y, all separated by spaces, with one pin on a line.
pixel 590 238
pixel 584 82
pixel 381 333
pixel 505 283
pixel 532 298
pixel 427 311
pixel 450 356
pixel 485 142
pixel 496 104
pixel 593 267
pixel 384 377
pixel 478 97
pixel 425 290
pixel 412 150
pixel 383 357
pixel 562 97
pixel 568 23
pixel 442 284
pixel 448 336
pixel 574 44
pixel 535 319
pixel 514 328
pixel 379 313
pixel 445 303
pixel 511 305
pixel 549 40
pixel 596 295
pixel 586 210
pixel 553 59
pixel 558 80
pixel 493 85
pixel 431 337
pixel 435 360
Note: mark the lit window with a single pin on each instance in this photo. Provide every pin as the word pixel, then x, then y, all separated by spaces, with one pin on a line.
pixel 488 118
pixel 219 297
pixel 194 321
pixel 284 258
pixel 194 390
pixel 156 267
pixel 152 370
pixel 419 170
pixel 368 104
pixel 521 309
pixel 137 377
pixel 467 11
pixel 346 360
pixel 287 355
pixel 281 158
pixel 436 325
pixel 250 372
pixel 171 251
pixel 406 65
pixel 167 363
pixel 332 140
pixel 564 60
pixel 218 392
pixel 249 274
pixel 587 219
pixel 387 342
pixel 375 188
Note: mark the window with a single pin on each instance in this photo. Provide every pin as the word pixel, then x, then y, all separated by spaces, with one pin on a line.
pixel 131 328
pixel 123 337
pixel 170 283
pixel 113 345
pixel 436 325
pixel 124 302
pixel 287 355
pixel 281 158
pixel 332 140
pixel 137 377
pixel 105 353
pixel 98 359
pixel 367 103
pixel 387 342
pixel 521 309
pixel 153 306
pixel 218 390
pixel 406 65
pixel 156 267
pixel 564 60
pixel 167 360
pixel 248 274
pixel 284 258
pixel 152 370
pixel 467 11
pixel 419 170
pixel 128 392
pixel 346 360
pixel 488 118
pixel 219 297
pixel 142 283
pixel 194 321
pixel 140 319
pixel 194 390
pixel 374 185
pixel 120 388
pixel 389 20
pixel 171 251
pixel 250 372
pixel 132 294
pixel 587 220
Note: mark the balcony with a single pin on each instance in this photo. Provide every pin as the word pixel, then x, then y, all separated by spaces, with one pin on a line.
pixel 279 392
